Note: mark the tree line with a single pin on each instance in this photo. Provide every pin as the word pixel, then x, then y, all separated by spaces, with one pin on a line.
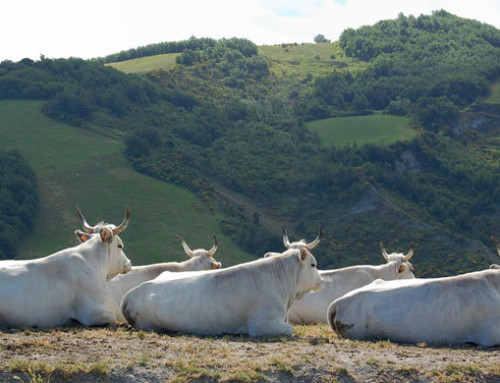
pixel 18 201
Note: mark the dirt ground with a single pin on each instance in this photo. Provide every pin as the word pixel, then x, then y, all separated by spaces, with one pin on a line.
pixel 313 354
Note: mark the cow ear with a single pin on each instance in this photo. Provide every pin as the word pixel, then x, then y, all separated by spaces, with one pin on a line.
pixel 401 268
pixel 82 236
pixel 303 254
pixel 106 235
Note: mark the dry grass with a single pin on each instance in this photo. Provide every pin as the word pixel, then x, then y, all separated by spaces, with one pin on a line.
pixel 313 354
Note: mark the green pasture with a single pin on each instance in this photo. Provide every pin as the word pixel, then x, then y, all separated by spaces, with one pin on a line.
pixel 286 59
pixel 309 59
pixel 377 129
pixel 146 64
pixel 78 167
pixel 494 97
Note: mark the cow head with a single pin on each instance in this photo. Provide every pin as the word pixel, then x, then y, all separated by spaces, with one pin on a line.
pixel 302 243
pixel 498 250
pixel 203 258
pixel 308 277
pixel 118 263
pixel 403 268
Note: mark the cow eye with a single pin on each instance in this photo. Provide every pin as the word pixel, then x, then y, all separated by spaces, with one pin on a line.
pixel 120 246
pixel 313 265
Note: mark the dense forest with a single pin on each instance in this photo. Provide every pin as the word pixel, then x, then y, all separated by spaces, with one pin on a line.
pixel 18 201
pixel 221 117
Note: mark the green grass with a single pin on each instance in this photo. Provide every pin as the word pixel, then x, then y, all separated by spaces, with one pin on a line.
pixel 308 59
pixel 377 129
pixel 78 167
pixel 146 64
pixel 287 59
pixel 494 97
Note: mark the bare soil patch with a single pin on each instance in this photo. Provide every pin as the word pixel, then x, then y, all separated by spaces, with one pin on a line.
pixel 313 354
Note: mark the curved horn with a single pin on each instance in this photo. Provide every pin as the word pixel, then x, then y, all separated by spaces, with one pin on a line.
pixel 124 224
pixel 212 251
pixel 315 243
pixel 185 246
pixel 286 241
pixel 497 244
pixel 384 252
pixel 88 229
pixel 408 256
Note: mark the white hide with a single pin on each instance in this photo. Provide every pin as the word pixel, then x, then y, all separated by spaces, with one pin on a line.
pixel 250 298
pixel 65 286
pixel 459 309
pixel 313 307
pixel 200 259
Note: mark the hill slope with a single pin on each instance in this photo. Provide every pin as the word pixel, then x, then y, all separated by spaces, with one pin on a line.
pixel 78 167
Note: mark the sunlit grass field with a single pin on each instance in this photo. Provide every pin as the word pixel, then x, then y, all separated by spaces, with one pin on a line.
pixel 494 97
pixel 376 129
pixel 77 167
pixel 146 64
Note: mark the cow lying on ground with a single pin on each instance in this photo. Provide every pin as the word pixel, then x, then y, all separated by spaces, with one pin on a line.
pixel 250 298
pixel 65 286
pixel 458 309
pixel 313 307
pixel 200 259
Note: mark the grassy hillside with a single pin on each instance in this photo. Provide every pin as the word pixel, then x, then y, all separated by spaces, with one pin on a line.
pixel 308 59
pixel 287 59
pixel 360 130
pixel 146 64
pixel 494 97
pixel 77 167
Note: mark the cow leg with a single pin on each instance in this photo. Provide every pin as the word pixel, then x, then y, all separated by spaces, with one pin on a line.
pixel 90 312
pixel 98 316
pixel 271 328
pixel 273 325
pixel 489 334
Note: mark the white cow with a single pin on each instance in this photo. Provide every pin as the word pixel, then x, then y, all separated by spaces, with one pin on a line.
pixel 250 298
pixel 297 244
pixel 494 266
pixel 458 309
pixel 12 263
pixel 65 286
pixel 200 259
pixel 312 308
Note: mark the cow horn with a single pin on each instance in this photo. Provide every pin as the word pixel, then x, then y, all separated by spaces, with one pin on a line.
pixel 88 229
pixel 315 243
pixel 286 241
pixel 408 256
pixel 497 244
pixel 384 252
pixel 185 246
pixel 125 222
pixel 212 251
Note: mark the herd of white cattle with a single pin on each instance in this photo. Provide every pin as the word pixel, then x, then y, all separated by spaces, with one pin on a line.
pixel 94 284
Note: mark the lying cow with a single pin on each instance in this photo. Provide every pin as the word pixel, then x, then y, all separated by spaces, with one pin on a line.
pixel 312 308
pixel 458 309
pixel 200 259
pixel 302 243
pixel 65 286
pixel 250 298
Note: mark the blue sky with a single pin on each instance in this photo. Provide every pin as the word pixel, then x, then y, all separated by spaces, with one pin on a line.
pixel 93 28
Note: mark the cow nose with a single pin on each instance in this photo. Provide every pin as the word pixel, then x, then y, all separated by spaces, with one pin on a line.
pixel 216 265
pixel 127 267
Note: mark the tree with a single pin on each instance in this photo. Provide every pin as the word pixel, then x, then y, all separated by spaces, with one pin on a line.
pixel 319 39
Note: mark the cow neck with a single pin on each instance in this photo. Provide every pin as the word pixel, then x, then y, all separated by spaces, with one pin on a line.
pixel 97 255
pixel 285 271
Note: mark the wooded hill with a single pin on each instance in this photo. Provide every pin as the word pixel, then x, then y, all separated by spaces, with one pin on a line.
pixel 228 120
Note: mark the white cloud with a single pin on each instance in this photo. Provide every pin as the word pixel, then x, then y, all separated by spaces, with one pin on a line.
pixel 91 28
